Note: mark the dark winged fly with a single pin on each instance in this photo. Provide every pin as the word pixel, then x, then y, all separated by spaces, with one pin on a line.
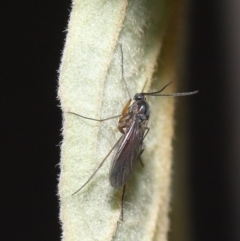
pixel 133 124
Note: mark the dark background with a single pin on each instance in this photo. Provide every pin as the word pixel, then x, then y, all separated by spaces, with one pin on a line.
pixel 214 67
pixel 32 40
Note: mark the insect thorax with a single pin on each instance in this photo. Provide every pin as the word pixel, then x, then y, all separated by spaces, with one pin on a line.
pixel 140 109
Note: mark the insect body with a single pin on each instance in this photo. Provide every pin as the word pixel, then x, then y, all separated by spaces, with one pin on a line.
pixel 131 146
pixel 135 121
pixel 133 125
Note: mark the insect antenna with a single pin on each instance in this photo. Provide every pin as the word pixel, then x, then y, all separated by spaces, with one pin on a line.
pixel 157 93
pixel 177 94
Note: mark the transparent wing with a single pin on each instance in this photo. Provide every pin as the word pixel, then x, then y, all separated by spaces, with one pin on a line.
pixel 127 155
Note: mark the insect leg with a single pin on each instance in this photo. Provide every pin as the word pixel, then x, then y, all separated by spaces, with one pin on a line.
pixel 140 159
pixel 123 73
pixel 105 158
pixel 148 129
pixel 109 118
pixel 123 194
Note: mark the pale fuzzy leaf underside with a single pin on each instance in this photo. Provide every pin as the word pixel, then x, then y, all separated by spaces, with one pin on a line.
pixel 90 84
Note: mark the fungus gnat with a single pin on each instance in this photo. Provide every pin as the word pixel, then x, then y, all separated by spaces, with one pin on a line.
pixel 133 124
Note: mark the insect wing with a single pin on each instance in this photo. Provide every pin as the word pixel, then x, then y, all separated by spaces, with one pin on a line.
pixel 128 152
